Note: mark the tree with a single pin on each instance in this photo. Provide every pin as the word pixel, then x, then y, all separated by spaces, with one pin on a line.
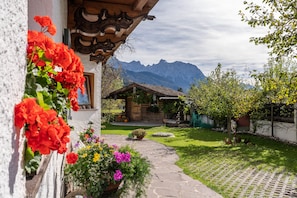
pixel 111 80
pixel 277 85
pixel 278 82
pixel 280 16
pixel 222 96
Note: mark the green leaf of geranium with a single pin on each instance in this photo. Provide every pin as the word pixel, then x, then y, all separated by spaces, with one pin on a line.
pixel 59 87
pixel 29 154
pixel 41 101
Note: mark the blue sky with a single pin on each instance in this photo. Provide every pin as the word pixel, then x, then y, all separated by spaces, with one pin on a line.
pixel 201 32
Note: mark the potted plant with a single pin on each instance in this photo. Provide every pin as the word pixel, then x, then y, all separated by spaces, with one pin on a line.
pixel 100 170
pixel 138 134
pixel 88 136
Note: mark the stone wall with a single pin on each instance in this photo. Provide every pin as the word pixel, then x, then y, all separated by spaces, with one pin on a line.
pixel 13 39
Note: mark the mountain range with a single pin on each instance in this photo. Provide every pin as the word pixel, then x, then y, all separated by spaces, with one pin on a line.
pixel 175 75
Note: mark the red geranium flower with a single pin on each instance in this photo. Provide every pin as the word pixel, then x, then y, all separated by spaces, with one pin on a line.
pixel 46 21
pixel 45 130
pixel 71 158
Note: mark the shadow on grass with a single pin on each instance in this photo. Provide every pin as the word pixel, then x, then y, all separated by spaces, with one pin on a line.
pixel 263 154
pixel 206 134
pixel 192 144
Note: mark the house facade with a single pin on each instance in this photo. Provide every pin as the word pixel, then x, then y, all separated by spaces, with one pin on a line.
pixel 90 28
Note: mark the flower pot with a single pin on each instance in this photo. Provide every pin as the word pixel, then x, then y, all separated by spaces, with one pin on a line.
pixel 140 137
pixel 111 189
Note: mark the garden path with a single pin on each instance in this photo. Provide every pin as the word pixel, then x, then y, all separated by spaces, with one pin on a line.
pixel 168 180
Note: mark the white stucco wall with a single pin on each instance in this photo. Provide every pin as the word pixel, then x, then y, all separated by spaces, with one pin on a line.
pixel 283 131
pixel 13 39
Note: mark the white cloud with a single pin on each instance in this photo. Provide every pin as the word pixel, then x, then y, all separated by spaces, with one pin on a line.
pixel 201 32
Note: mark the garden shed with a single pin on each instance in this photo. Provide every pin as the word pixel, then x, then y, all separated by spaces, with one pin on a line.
pixel 146 103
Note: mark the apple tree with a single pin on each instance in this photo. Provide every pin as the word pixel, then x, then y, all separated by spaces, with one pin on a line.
pixel 222 95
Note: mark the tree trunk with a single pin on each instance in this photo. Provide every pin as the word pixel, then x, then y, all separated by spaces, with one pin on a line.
pixel 272 120
pixel 229 126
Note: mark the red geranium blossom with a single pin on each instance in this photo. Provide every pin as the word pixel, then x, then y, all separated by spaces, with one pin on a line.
pixel 58 70
pixel 71 158
pixel 45 130
pixel 46 22
pixel 57 55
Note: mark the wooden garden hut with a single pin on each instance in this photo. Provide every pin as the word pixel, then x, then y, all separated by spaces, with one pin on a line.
pixel 144 103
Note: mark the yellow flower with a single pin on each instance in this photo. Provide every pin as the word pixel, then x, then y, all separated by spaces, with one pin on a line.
pixel 96 157
pixel 84 155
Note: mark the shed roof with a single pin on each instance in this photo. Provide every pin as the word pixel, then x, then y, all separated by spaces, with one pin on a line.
pixel 159 91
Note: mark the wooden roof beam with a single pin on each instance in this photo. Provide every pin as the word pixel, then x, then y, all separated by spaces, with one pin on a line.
pixel 139 4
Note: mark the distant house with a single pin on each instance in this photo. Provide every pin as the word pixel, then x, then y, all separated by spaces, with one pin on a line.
pixel 145 102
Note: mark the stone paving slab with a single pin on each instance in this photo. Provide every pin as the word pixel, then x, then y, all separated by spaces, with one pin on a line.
pixel 168 180
pixel 238 181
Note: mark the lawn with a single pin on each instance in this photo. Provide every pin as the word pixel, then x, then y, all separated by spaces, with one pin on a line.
pixel 203 155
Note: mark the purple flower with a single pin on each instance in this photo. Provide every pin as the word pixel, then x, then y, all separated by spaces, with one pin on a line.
pixel 117 175
pixel 94 138
pixel 118 156
pixel 122 157
pixel 127 157
pixel 76 145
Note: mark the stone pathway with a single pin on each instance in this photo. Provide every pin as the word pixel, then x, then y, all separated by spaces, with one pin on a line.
pixel 243 182
pixel 237 182
pixel 168 180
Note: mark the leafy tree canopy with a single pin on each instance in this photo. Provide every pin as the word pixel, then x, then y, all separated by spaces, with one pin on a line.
pixel 222 96
pixel 278 82
pixel 111 80
pixel 280 16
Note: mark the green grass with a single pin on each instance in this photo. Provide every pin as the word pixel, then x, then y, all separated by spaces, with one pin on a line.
pixel 112 111
pixel 119 130
pixel 197 147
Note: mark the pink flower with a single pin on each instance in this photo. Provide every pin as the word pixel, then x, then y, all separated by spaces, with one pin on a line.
pixel 122 157
pixel 117 175
pixel 126 157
